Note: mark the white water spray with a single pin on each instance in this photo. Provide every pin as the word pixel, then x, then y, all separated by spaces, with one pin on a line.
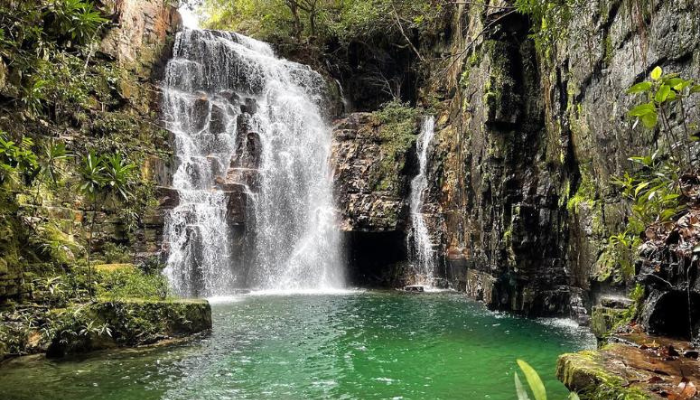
pixel 423 253
pixel 224 91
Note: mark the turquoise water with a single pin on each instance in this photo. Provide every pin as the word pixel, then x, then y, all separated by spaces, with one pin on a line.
pixel 372 345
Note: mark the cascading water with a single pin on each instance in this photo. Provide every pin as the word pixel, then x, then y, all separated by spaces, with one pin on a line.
pixel 423 254
pixel 248 125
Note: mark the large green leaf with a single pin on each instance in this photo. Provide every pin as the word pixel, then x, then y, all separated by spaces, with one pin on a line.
pixel 650 120
pixel 639 88
pixel 519 389
pixel 533 380
pixel 642 109
pixel 662 93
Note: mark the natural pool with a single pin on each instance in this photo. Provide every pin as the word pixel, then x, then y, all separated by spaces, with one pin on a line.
pixel 353 345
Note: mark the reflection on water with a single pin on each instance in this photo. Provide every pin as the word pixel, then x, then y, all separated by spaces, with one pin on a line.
pixel 357 345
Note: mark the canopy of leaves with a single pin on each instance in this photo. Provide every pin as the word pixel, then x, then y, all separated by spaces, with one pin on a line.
pixel 345 20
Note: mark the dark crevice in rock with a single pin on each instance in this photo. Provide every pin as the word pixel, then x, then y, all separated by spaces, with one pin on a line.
pixel 375 259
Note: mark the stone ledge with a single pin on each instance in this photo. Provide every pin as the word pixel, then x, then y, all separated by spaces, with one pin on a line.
pixel 634 366
pixel 106 324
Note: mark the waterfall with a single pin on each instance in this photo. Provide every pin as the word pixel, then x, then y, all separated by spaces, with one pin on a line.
pixel 423 254
pixel 255 189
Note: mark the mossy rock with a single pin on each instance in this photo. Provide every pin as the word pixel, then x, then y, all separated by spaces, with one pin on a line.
pixel 126 323
pixel 604 320
pixel 589 374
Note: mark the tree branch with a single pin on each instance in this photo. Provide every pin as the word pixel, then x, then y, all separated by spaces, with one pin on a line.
pixel 398 24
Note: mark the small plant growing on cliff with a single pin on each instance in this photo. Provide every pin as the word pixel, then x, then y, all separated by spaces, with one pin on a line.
pixel 653 189
pixel 103 178
pixel 17 159
pixel 665 92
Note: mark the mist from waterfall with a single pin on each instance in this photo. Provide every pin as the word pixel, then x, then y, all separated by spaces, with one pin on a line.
pixel 247 124
pixel 423 257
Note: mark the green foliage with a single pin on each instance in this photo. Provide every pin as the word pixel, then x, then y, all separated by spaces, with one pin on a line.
pixel 41 41
pixel 110 175
pixel 320 20
pixel 76 21
pixel 54 289
pixel 534 383
pixel 17 159
pixel 50 164
pixel 119 177
pixel 654 196
pixel 397 130
pixel 116 254
pixel 550 20
pixel 665 94
pixel 396 112
pixel 130 282
pixel 92 174
pixel 652 188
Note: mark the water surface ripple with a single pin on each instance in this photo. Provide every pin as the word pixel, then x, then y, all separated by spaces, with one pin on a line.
pixel 363 345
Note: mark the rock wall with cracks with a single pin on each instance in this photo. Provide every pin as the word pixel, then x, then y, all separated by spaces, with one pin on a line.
pixel 529 139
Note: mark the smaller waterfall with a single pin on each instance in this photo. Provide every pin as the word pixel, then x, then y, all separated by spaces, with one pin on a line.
pixel 423 254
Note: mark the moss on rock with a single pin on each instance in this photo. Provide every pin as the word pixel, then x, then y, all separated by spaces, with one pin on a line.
pixel 604 320
pixel 106 324
pixel 588 374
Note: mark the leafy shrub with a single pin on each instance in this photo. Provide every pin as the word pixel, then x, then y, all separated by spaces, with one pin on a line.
pixel 128 282
pixel 116 254
pixel 653 187
pixel 323 20
pixel 17 158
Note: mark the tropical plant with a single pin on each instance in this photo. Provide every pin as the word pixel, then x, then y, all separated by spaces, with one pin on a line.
pixel 49 164
pixel 119 176
pixel 102 178
pixel 17 158
pixel 53 289
pixel 76 20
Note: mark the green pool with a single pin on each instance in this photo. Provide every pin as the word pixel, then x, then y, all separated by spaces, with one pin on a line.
pixel 356 345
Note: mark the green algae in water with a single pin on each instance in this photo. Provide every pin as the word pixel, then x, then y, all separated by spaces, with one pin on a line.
pixel 372 345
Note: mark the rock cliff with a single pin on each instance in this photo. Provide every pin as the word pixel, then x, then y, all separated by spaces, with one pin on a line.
pixel 531 135
pixel 119 75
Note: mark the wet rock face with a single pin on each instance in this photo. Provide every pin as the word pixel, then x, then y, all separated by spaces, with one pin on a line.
pixel 503 221
pixel 372 183
pixel 143 27
pixel 529 143
pixel 371 187
pixel 668 268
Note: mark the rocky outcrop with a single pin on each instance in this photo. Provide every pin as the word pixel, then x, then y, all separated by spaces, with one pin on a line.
pixel 131 323
pixel 633 366
pixel 374 161
pixel 100 325
pixel 500 197
pixel 372 175
pixel 140 43
pixel 531 134
pixel 668 269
